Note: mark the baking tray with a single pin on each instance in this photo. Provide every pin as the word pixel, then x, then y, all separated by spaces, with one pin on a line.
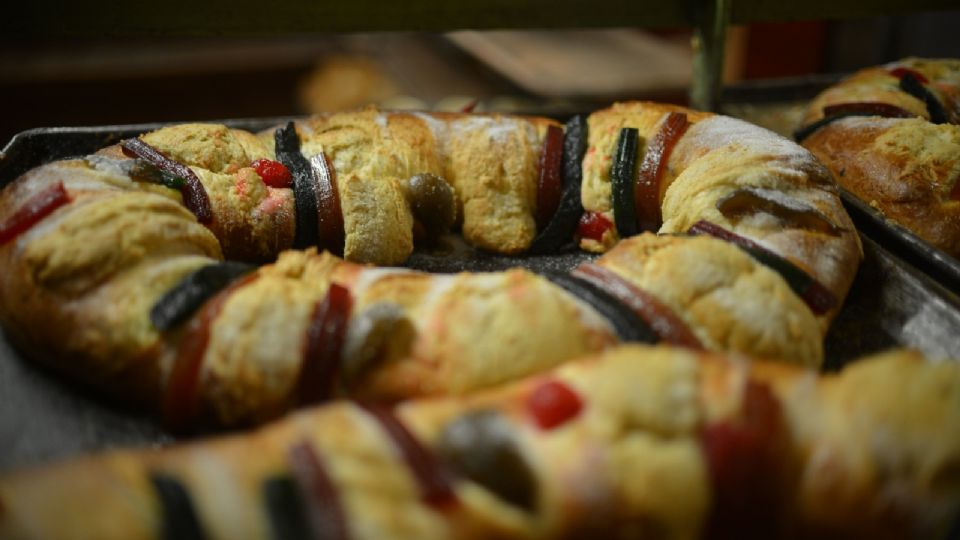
pixel 44 417
pixel 901 241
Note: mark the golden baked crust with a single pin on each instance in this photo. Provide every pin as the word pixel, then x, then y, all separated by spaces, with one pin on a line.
pixel 715 158
pixel 454 334
pixel 252 220
pixel 730 301
pixel 904 167
pixel 879 84
pixel 604 127
pixel 489 160
pixel 80 285
pixel 408 334
pixel 869 452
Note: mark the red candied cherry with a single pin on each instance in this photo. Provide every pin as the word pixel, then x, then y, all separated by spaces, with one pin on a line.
pixel 592 225
pixel 553 403
pixel 274 173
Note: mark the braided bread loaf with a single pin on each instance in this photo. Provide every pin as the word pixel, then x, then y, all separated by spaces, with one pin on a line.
pixel 891 136
pixel 637 441
pixel 82 284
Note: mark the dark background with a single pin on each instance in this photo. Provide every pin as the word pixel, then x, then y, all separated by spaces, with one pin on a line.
pixel 100 82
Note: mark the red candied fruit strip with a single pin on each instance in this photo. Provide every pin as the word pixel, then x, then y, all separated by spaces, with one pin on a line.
pixel 194 195
pixel 815 294
pixel 37 207
pixel 900 72
pixel 549 181
pixel 324 511
pixel 663 320
pixel 273 173
pixel 323 350
pixel 329 212
pixel 180 397
pixel 873 108
pixel 955 192
pixel 593 225
pixel 647 192
pixel 435 480
pixel 469 107
pixel 553 403
pixel 744 460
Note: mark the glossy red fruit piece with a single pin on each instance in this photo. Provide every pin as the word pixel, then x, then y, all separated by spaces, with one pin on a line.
pixel 745 460
pixel 901 71
pixel 815 294
pixel 37 207
pixel 273 173
pixel 873 108
pixel 661 319
pixel 549 181
pixel 181 394
pixel 593 225
pixel 647 192
pixel 323 351
pixel 322 502
pixel 469 107
pixel 434 479
pixel 329 213
pixel 553 403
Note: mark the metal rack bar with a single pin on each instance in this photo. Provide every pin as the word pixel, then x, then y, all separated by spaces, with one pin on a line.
pixel 709 42
pixel 45 19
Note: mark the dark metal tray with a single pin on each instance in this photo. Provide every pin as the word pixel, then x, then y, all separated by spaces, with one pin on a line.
pixel 43 417
pixel 901 241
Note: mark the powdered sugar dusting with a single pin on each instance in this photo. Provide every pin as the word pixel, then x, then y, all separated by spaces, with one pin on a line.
pixel 381 121
pixel 500 129
pixel 723 131
pixel 439 285
pixel 437 127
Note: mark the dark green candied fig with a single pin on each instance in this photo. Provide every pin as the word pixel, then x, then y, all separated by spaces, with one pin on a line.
pixel 183 300
pixel 815 294
pixel 911 84
pixel 432 201
pixel 623 174
pixel 287 144
pixel 559 231
pixel 480 446
pixel 180 519
pixel 285 509
pixel 629 326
